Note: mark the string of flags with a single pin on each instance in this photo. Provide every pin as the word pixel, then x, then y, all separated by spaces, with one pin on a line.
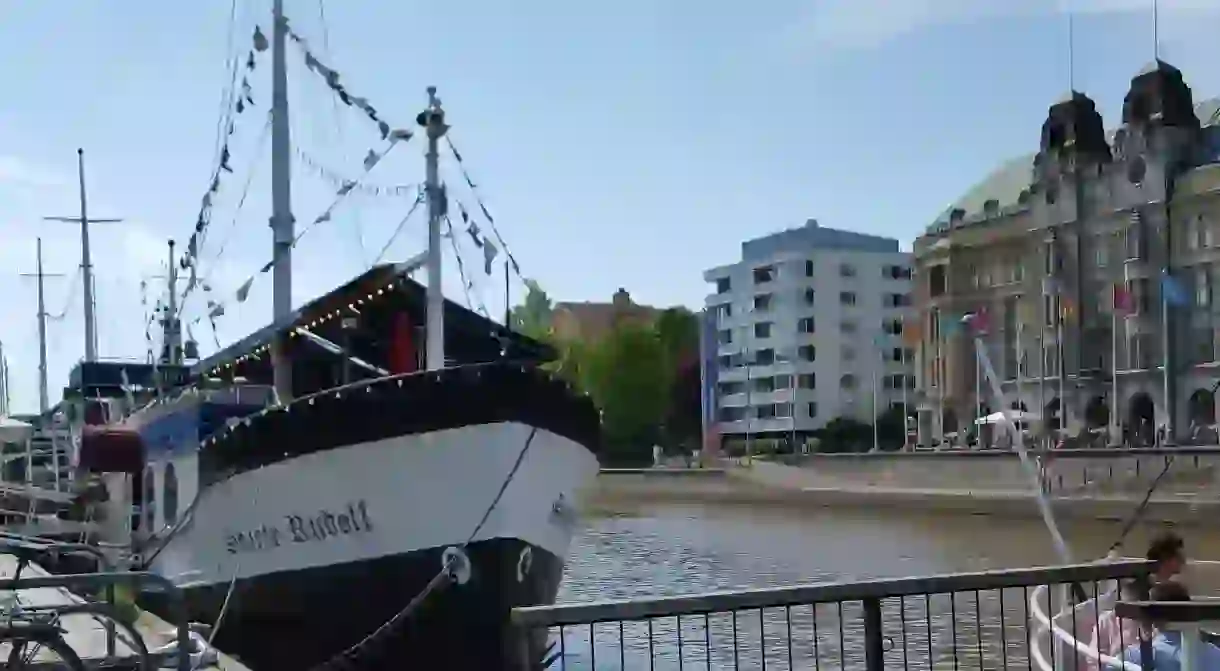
pixel 216 309
pixel 467 284
pixel 338 181
pixel 333 79
pixel 480 240
pixel 241 100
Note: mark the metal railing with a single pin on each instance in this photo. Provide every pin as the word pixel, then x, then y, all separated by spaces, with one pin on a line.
pixel 958 621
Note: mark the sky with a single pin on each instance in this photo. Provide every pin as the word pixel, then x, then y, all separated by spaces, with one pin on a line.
pixel 630 144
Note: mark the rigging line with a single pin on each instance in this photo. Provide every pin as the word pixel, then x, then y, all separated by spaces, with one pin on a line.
pixel 474 190
pixel 1142 507
pixel 226 92
pixel 398 229
pixel 72 288
pixel 457 254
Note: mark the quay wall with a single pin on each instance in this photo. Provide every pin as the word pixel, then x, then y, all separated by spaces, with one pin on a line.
pixel 1095 487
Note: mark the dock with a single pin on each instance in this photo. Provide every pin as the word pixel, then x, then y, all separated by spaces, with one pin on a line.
pixel 88 635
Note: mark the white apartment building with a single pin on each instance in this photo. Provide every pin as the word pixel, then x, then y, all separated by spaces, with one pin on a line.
pixel 805 322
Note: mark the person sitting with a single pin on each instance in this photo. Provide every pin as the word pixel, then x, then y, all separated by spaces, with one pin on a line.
pixel 1168 551
pixel 1112 633
pixel 1166 644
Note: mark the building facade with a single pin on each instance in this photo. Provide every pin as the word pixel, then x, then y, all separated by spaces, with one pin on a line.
pixel 1091 266
pixel 803 324
pixel 591 321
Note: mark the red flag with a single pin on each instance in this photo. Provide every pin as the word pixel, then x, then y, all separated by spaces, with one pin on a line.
pixel 1122 298
pixel 402 347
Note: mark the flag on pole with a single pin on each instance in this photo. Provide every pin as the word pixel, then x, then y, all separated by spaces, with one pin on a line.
pixel 1122 299
pixel 1172 291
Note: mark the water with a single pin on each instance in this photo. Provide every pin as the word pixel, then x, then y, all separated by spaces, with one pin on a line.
pixel 659 550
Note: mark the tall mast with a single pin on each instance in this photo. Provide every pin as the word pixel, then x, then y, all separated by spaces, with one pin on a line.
pixel 171 334
pixel 86 259
pixel 433 119
pixel 44 402
pixel 281 197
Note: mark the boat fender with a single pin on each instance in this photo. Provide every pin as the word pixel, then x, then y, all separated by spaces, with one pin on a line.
pixel 457 563
pixel 524 563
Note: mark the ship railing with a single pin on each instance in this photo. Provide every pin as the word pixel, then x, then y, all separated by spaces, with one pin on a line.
pixel 1067 639
pixel 962 620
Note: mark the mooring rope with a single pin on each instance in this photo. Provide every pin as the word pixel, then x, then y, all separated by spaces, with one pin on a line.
pixel 448 575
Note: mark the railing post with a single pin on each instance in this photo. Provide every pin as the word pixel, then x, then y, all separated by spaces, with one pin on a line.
pixel 874 652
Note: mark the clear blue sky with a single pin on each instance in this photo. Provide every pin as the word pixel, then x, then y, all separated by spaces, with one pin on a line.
pixel 626 144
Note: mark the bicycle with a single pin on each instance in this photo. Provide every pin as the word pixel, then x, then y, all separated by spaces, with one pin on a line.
pixel 43 622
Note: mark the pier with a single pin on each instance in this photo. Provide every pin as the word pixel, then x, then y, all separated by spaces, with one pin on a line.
pixel 97 641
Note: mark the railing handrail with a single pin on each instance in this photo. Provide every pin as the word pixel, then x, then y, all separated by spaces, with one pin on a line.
pixel 771 597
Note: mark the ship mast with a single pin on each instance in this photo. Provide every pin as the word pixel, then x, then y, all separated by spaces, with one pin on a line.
pixel 281 200
pixel 433 120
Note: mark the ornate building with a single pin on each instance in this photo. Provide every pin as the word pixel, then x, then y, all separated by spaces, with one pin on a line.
pixel 1093 263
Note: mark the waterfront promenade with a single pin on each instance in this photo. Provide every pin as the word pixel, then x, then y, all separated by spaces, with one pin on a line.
pixel 1098 484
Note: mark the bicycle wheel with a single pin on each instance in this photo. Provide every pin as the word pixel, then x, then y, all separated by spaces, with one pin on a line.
pixel 130 636
pixel 27 651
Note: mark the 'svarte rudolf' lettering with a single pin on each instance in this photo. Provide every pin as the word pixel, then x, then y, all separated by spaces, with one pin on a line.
pixel 354 519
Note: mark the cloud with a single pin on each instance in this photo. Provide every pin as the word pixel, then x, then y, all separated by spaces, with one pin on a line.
pixel 866 24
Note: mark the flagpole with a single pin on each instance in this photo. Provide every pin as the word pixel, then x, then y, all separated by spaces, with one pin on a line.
pixel 940 378
pixel 1062 367
pixel 1114 432
pixel 1165 385
pixel 877 362
pixel 906 433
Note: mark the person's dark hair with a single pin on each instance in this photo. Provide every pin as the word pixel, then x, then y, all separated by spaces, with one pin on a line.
pixel 1170 590
pixel 1166 546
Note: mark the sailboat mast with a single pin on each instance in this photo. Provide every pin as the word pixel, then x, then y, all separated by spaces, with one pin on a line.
pixel 281 197
pixel 43 398
pixel 433 119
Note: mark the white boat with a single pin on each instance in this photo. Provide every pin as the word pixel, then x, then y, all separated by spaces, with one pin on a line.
pixel 306 494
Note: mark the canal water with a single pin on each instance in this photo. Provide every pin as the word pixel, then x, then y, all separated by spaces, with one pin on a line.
pixel 658 550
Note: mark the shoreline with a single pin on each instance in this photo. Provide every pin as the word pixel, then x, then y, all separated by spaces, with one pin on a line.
pixel 628 490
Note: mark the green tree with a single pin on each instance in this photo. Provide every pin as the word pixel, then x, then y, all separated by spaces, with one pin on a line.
pixel 626 374
pixel 533 316
pixel 677 330
pixel 890 428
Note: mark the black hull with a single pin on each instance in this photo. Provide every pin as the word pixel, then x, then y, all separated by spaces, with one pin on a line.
pixel 296 620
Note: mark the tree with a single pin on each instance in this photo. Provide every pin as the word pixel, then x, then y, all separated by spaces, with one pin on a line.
pixel 626 375
pixel 533 316
pixel 844 434
pixel 890 428
pixel 677 331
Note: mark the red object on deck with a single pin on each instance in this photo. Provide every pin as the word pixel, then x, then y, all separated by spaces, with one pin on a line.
pixel 111 449
pixel 402 345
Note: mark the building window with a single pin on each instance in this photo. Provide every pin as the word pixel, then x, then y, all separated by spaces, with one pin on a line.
pixel 730 388
pixel 808 296
pixel 848 381
pixel 805 325
pixel 847 270
pixel 847 298
pixel 725 336
pixel 724 285
pixel 762 330
pixel 764 357
pixel 808 381
pixel 762 302
pixel 848 353
pixel 892 326
pixel 732 413
pixel 897 300
pixel 764 385
pixel 149 504
pixel 896 272
pixel 896 354
pixel 724 310
pixel 811 408
pixel 808 268
pixel 1203 287
pixel 807 352
pixel 764 275
pixel 1101 252
pixel 937 281
pixel 848 326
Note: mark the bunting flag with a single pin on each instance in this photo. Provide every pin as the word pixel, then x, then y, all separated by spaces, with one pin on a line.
pixel 333 80
pixel 348 185
pixel 216 309
pixel 474 190
pixel 239 100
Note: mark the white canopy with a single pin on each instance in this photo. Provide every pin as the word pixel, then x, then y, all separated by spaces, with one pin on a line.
pixel 14 431
pixel 1014 415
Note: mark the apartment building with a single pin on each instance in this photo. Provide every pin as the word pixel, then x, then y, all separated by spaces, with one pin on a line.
pixel 803 324
pixel 1095 263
